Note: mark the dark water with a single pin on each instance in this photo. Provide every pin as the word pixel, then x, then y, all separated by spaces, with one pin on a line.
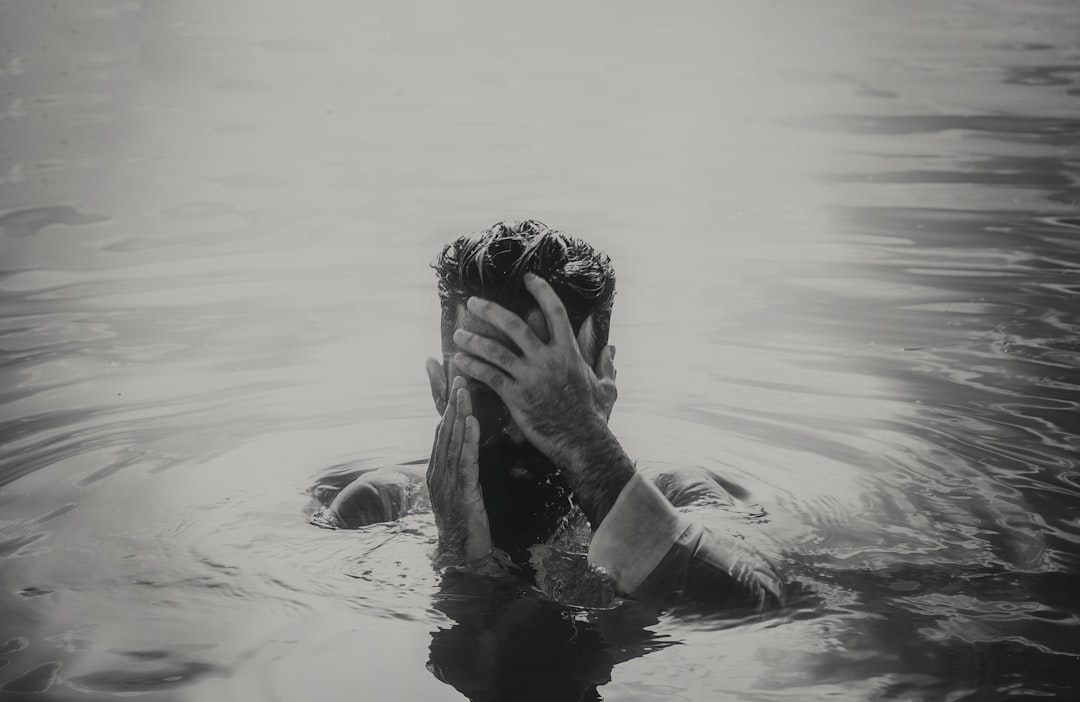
pixel 848 245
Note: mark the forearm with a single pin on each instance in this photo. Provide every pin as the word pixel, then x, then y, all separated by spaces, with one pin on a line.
pixel 597 472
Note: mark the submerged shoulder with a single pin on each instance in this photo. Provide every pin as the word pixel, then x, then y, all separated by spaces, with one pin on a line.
pixel 351 496
pixel 686 485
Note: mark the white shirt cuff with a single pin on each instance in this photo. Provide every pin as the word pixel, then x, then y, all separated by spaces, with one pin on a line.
pixel 636 534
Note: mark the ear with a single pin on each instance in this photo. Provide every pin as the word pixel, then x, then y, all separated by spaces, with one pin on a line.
pixel 436 374
pixel 604 368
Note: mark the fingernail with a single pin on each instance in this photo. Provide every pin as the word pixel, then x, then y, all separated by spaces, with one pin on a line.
pixel 613 352
pixel 530 276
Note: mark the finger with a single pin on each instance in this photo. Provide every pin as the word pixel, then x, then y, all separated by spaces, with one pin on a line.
pixel 453 455
pixel 558 321
pixel 489 375
pixel 487 350
pixel 507 322
pixel 464 408
pixel 470 457
pixel 446 429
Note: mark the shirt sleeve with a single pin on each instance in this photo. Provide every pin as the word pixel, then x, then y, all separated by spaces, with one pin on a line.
pixel 637 534
pixel 653 551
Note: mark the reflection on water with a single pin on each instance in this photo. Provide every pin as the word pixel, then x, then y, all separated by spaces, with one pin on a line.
pixel 505 644
pixel 846 238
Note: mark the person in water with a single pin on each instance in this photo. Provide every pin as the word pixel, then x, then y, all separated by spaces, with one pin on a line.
pixel 525 390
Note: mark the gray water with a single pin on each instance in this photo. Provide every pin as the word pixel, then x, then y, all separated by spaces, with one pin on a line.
pixel 847 236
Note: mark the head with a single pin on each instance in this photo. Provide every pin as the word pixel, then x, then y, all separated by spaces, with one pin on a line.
pixel 491 264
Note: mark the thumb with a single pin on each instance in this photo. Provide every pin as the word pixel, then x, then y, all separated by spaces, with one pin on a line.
pixel 436 374
pixel 609 393
pixel 604 367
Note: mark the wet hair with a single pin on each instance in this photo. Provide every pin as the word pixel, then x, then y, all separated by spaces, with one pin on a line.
pixel 492 264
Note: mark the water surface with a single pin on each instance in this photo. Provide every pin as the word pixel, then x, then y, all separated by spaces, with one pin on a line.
pixel 847 244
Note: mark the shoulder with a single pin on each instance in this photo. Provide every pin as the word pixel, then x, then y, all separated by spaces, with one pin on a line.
pixel 686 485
pixel 382 494
pixel 339 476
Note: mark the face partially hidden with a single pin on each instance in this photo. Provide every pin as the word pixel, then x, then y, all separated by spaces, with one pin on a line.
pixel 525 494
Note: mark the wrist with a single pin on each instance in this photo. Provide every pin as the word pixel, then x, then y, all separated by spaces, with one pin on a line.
pixel 597 471
pixel 595 450
pixel 455 549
